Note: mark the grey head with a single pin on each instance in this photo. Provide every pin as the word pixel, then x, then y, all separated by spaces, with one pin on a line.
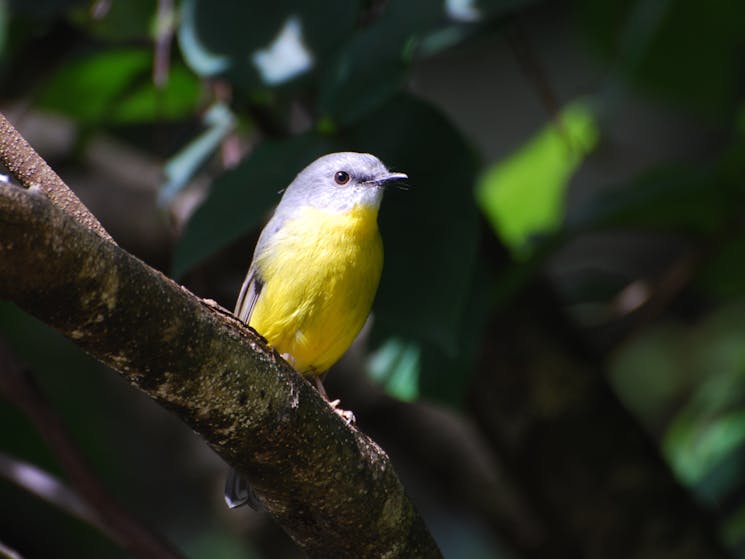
pixel 338 182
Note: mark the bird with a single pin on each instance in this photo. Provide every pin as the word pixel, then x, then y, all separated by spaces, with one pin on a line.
pixel 315 269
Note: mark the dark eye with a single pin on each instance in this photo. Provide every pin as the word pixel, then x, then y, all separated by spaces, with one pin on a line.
pixel 341 177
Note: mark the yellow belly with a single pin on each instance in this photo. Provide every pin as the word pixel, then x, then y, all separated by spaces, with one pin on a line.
pixel 320 273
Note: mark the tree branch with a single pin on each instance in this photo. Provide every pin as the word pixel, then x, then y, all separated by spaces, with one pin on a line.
pixel 328 485
pixel 32 171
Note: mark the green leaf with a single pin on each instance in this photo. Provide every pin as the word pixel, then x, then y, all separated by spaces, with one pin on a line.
pixel 686 200
pixel 241 198
pixel 396 366
pixel 702 365
pixel 523 195
pixel 227 38
pixel 86 89
pixel 367 72
pixel 699 448
pixel 371 67
pixel 123 21
pixel 414 367
pixel 681 50
pixel 702 200
pixel 724 273
pixel 217 543
pixel 430 231
pixel 43 9
pixel 734 528
pixel 446 377
pixel 115 87
pixel 4 17
pixel 499 7
pixel 144 102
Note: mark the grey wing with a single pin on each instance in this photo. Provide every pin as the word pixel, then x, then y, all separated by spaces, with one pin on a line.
pixel 254 283
pixel 249 294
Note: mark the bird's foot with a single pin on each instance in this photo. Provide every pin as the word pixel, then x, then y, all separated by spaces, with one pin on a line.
pixel 289 357
pixel 346 415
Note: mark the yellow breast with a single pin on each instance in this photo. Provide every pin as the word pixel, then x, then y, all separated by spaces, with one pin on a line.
pixel 320 271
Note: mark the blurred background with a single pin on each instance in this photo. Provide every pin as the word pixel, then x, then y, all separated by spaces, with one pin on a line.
pixel 556 358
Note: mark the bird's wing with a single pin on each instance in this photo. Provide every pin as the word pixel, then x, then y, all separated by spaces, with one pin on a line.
pixel 254 282
pixel 250 291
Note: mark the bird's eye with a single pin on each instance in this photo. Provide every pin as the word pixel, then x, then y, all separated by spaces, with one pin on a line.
pixel 342 177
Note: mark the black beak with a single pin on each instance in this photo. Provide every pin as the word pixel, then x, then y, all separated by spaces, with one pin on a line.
pixel 391 177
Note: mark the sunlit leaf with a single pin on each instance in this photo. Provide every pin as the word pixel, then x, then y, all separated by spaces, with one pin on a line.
pixel 86 89
pixel 181 168
pixel 523 195
pixel 177 99
pixel 463 10
pixel 396 366
pixel 197 53
pixel 698 448
pixel 116 87
pixel 286 56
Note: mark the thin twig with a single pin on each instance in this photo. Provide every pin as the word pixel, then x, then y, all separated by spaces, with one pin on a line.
pixel 47 487
pixel 8 553
pixel 100 9
pixel 661 293
pixel 30 170
pixel 534 72
pixel 163 39
pixel 20 389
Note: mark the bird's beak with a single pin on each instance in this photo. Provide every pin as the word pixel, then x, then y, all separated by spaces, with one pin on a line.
pixel 392 177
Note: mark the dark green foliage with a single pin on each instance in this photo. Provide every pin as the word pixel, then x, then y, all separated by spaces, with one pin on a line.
pixel 231 31
pixel 686 52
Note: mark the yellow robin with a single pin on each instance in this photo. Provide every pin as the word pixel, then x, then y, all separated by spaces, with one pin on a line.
pixel 316 268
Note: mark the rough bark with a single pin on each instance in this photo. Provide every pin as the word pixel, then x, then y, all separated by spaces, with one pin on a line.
pixel 327 484
pixel 33 172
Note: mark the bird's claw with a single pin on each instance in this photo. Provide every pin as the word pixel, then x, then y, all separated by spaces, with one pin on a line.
pixel 289 357
pixel 346 415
